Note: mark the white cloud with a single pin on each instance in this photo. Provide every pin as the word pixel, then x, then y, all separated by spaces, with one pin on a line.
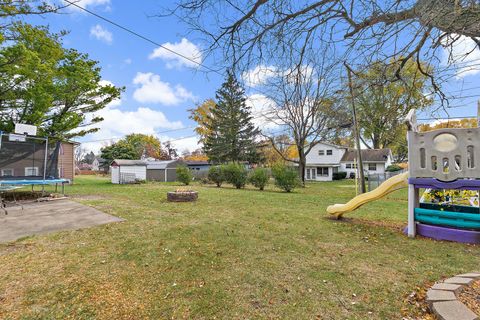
pixel 463 53
pixel 153 90
pixel 89 3
pixel 259 75
pixel 102 34
pixel 118 123
pixel 185 48
pixel 127 61
pixel 114 103
pixel 305 72
pixel 263 112
pixel 189 144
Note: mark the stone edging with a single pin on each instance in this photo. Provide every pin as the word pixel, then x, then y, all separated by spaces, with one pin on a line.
pixel 442 298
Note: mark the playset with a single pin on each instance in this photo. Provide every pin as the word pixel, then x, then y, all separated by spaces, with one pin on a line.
pixel 445 164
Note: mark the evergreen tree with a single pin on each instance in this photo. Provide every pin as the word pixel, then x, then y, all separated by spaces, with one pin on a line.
pixel 89 158
pixel 231 133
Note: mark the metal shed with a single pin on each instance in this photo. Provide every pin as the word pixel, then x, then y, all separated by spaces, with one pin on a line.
pixel 128 171
pixel 163 171
pixel 198 166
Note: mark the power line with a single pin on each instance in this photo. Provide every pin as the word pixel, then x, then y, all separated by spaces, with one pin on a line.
pixel 142 37
pixel 160 132
pixel 462 64
pixel 128 30
pixel 449 118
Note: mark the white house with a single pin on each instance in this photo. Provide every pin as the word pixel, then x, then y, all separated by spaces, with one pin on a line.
pixel 322 161
pixel 325 159
pixel 375 161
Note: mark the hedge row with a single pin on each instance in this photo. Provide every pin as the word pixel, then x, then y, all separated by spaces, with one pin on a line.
pixel 286 178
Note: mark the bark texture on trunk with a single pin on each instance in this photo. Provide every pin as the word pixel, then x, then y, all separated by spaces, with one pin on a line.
pixel 449 17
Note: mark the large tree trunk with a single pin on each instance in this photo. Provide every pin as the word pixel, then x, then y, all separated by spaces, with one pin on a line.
pixel 302 163
pixel 450 16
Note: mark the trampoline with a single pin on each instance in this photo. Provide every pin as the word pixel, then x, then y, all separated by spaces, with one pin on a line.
pixel 36 182
pixel 33 182
pixel 29 160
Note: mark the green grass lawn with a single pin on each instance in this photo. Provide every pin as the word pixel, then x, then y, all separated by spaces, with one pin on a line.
pixel 234 254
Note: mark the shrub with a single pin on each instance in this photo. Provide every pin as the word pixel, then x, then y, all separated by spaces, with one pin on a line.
pixel 204 180
pixel 200 176
pixel 393 168
pixel 216 174
pixel 184 175
pixel 236 174
pixel 286 178
pixel 339 175
pixel 259 178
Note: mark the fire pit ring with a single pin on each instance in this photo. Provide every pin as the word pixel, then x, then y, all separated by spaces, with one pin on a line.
pixel 182 196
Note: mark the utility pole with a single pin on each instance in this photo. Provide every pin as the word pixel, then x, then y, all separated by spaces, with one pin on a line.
pixel 478 113
pixel 360 176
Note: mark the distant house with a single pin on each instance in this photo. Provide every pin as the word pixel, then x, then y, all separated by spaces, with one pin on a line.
pixel 325 159
pixel 374 160
pixel 84 166
pixel 322 161
pixel 198 166
pixel 100 165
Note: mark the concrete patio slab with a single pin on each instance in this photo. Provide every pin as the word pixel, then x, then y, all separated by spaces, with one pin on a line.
pixel 47 217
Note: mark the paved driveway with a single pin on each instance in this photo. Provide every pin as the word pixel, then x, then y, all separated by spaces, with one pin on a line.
pixel 46 217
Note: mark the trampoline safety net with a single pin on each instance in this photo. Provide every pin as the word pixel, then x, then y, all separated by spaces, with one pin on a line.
pixel 28 157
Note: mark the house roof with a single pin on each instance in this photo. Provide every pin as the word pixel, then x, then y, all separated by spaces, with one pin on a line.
pixel 197 163
pixel 124 162
pixel 331 145
pixel 162 164
pixel 368 155
pixel 75 143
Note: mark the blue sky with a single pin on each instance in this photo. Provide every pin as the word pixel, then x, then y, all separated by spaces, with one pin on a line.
pixel 161 87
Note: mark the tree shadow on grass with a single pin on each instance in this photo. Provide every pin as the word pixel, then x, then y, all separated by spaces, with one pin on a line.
pixel 391 225
pixel 230 187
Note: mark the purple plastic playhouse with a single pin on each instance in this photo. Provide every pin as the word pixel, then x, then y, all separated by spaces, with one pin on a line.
pixel 443 159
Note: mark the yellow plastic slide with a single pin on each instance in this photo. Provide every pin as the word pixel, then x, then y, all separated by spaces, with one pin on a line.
pixel 394 183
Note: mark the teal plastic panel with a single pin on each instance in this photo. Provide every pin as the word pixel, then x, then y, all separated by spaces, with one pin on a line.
pixel 448 218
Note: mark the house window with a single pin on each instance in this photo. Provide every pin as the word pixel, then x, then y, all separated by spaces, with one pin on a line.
pixel 311 174
pixel 321 152
pixel 329 152
pixel 31 171
pixel 322 171
pixel 351 166
pixel 7 172
pixel 372 167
